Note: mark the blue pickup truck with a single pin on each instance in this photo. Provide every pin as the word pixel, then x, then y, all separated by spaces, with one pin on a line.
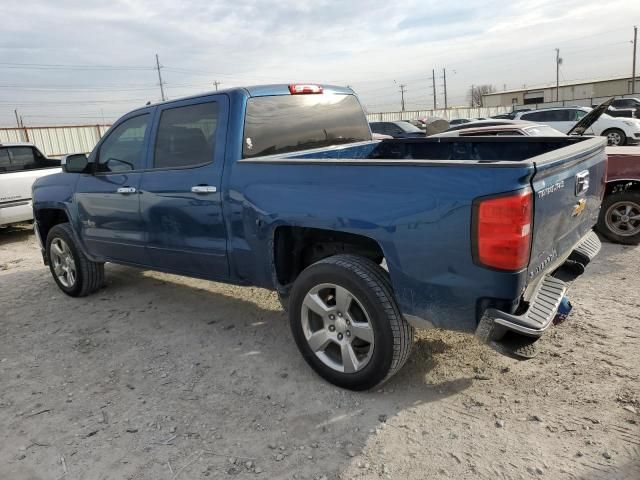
pixel 282 187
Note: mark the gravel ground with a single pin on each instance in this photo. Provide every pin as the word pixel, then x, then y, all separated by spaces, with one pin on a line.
pixel 164 377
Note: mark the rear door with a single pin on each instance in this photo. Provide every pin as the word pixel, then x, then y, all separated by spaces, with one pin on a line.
pixel 568 186
pixel 181 200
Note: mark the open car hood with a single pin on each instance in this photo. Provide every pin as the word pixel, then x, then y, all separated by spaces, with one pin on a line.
pixel 590 118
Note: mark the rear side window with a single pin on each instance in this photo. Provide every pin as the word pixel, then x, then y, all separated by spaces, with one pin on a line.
pixel 536 117
pixel 186 136
pixel 550 116
pixel 281 124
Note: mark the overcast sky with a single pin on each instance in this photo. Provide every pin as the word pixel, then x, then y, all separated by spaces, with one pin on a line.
pixel 88 59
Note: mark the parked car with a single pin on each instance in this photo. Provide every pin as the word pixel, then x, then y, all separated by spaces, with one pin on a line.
pixel 619 131
pixel 399 129
pixel 527 129
pixel 482 123
pixel 20 165
pixel 619 219
pixel 523 128
pixel 627 107
pixel 459 121
pixel 281 187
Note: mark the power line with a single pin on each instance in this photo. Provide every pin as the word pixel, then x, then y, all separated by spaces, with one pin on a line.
pixel 55 66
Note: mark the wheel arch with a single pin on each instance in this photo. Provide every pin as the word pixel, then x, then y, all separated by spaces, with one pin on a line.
pixel 295 248
pixel 621 185
pixel 48 217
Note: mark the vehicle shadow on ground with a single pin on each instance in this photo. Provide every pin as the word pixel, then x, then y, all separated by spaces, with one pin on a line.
pixel 200 351
pixel 15 234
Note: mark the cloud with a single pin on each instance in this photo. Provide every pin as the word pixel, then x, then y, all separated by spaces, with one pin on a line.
pixel 366 44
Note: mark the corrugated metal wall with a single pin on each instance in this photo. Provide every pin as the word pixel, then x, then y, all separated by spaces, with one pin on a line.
pixel 57 141
pixel 449 114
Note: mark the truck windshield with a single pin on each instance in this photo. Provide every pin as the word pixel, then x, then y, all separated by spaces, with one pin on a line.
pixel 281 124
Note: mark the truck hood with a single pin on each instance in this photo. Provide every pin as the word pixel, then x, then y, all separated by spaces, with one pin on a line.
pixel 590 118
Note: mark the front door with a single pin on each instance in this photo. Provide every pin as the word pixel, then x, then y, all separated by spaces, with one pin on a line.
pixel 108 199
pixel 181 202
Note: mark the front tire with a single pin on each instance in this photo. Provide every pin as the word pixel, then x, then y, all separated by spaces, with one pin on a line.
pixel 75 274
pixel 346 323
pixel 619 219
pixel 615 137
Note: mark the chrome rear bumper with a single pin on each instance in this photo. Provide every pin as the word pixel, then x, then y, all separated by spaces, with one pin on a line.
pixel 542 306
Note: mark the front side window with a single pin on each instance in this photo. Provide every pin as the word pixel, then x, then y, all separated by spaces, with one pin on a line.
pixel 24 158
pixel 5 163
pixel 377 127
pixel 186 136
pixel 579 114
pixel 122 150
pixel 289 123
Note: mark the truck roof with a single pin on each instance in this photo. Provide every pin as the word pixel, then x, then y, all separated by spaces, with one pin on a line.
pixel 17 144
pixel 258 91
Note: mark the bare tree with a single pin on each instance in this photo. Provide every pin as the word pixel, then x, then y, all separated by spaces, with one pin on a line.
pixel 476 92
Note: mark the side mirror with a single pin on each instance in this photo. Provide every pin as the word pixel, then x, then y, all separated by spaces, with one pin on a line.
pixel 75 163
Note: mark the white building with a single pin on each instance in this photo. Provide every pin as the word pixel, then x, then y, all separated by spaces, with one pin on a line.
pixel 584 93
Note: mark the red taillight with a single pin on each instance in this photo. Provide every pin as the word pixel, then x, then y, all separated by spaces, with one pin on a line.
pixel 297 89
pixel 503 231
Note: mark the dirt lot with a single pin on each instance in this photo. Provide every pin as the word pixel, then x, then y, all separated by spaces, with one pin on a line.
pixel 162 377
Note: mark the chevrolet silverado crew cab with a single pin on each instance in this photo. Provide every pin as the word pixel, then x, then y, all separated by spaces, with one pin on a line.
pixel 281 187
pixel 20 165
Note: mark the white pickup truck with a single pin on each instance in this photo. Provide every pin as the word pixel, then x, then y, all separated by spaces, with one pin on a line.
pixel 20 165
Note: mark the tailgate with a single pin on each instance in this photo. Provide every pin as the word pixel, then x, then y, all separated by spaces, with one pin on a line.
pixel 568 186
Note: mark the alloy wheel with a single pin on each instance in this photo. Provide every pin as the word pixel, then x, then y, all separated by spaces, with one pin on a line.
pixel 63 263
pixel 337 328
pixel 623 218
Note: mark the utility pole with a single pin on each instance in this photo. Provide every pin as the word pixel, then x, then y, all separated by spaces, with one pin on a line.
pixel 433 80
pixel 216 83
pixel 444 77
pixel 635 43
pixel 558 62
pixel 160 78
pixel 402 87
pixel 17 117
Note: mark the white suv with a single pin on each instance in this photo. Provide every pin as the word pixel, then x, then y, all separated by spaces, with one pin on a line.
pixel 20 165
pixel 619 130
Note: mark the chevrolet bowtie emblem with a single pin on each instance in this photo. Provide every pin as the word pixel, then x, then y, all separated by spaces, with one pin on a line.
pixel 579 207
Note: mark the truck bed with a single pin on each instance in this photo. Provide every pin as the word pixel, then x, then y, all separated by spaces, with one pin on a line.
pixel 475 149
pixel 416 196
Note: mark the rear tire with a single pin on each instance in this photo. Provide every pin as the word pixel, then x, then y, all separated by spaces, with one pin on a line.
pixel 75 274
pixel 615 137
pixel 359 339
pixel 616 221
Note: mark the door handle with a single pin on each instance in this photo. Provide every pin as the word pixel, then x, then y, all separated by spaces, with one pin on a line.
pixel 126 190
pixel 203 189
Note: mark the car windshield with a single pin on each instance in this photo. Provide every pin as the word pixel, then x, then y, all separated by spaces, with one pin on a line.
pixel 543 131
pixel 408 127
